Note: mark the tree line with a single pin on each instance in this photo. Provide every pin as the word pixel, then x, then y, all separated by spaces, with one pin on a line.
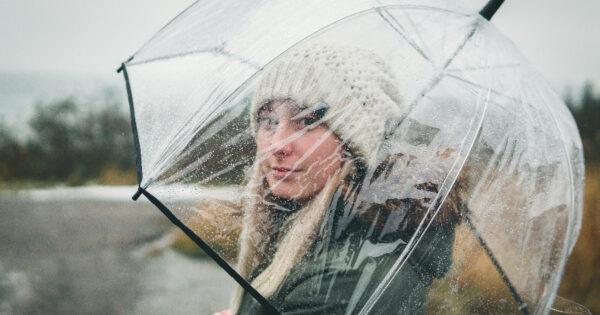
pixel 586 111
pixel 68 144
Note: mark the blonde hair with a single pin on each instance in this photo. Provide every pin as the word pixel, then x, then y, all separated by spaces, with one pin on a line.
pixel 299 232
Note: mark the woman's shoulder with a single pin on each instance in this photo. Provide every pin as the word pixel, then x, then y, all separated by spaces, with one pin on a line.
pixel 334 285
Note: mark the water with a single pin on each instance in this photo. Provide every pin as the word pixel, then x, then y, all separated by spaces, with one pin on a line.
pixel 77 250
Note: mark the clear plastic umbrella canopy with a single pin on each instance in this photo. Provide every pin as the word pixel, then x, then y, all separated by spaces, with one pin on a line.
pixel 359 156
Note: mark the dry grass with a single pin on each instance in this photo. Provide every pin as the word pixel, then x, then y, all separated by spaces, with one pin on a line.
pixel 113 175
pixel 581 282
pixel 474 286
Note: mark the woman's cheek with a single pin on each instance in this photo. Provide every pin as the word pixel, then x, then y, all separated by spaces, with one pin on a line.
pixel 261 141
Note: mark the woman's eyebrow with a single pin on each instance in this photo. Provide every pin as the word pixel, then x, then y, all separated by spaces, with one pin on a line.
pixel 310 111
pixel 302 113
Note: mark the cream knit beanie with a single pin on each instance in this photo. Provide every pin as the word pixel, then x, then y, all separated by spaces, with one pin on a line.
pixel 358 88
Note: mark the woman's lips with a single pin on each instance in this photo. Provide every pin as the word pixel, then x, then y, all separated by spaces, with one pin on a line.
pixel 280 172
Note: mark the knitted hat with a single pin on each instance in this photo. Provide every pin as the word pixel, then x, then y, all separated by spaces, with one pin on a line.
pixel 358 88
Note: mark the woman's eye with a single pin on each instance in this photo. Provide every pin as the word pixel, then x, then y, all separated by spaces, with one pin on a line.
pixel 266 122
pixel 310 120
pixel 307 121
pixel 313 119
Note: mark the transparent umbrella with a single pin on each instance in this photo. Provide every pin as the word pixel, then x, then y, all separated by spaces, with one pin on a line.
pixel 359 156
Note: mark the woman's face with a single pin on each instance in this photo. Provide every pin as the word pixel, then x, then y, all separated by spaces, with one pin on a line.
pixel 297 153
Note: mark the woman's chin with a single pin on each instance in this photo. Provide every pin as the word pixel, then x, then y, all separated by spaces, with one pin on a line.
pixel 290 188
pixel 288 191
pixel 284 193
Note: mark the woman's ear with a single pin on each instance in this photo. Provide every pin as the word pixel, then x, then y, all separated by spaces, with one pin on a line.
pixel 347 154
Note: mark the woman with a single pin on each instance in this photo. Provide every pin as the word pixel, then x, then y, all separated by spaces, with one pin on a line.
pixel 317 237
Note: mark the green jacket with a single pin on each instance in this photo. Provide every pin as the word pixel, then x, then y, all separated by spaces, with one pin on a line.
pixel 342 270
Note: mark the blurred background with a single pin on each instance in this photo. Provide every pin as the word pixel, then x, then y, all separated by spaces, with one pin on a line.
pixel 71 239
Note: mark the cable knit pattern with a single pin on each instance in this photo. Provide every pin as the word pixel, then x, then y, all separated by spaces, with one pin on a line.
pixel 357 86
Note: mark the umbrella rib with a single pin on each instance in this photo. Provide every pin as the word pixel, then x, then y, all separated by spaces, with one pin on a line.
pixel 175 144
pixel 479 86
pixel 388 18
pixel 162 29
pixel 442 71
pixel 418 34
pixel 434 82
pixel 215 50
pixel 505 65
pixel 175 55
pixel 570 228
pixel 209 116
pixel 513 291
pixel 194 143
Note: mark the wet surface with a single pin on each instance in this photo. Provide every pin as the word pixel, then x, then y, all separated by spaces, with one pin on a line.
pixel 77 251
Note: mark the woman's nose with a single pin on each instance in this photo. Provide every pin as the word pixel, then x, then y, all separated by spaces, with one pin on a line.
pixel 282 141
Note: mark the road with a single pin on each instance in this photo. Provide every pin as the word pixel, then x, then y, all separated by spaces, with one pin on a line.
pixel 77 250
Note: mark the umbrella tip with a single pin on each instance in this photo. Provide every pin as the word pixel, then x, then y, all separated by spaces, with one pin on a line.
pixel 137 194
pixel 490 9
pixel 122 66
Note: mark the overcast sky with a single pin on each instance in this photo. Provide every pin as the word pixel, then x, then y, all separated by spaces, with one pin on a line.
pixel 559 37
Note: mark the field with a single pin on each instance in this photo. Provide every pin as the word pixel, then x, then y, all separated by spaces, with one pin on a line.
pixel 474 286
pixel 581 281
